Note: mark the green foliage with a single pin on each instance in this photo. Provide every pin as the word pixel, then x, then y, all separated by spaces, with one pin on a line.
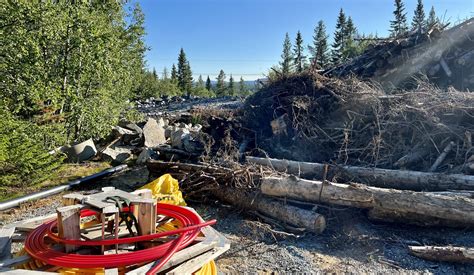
pixel 398 26
pixel 202 92
pixel 432 19
pixel 319 49
pixel 231 87
pixel 350 47
pixel 185 78
pixel 174 73
pixel 418 22
pixel 287 57
pixel 78 61
pixel 298 53
pixel 339 36
pixel 154 87
pixel 243 89
pixel 220 85
pixel 23 159
pixel 208 84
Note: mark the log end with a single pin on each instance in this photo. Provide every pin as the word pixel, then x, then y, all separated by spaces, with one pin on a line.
pixel 319 224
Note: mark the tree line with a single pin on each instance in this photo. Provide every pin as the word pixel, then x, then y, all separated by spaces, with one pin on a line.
pixel 181 83
pixel 347 41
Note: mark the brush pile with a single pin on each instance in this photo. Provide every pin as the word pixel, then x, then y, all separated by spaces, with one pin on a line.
pixel 444 57
pixel 313 118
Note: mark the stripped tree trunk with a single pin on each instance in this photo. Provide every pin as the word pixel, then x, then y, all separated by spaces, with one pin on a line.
pixel 444 253
pixel 276 209
pixel 384 204
pixel 397 179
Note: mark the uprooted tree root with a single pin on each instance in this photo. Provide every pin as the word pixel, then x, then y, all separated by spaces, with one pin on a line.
pixel 347 121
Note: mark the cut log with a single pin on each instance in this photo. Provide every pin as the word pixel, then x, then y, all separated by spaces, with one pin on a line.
pixel 442 156
pixel 276 209
pixel 444 253
pixel 397 179
pixel 418 208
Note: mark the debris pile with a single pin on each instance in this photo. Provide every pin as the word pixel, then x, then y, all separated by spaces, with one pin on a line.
pixel 314 118
pixel 445 57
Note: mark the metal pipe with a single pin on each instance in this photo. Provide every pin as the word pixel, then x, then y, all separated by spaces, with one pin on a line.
pixel 58 189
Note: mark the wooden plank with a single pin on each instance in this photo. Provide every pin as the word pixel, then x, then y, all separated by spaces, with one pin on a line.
pixel 69 224
pixel 196 263
pixel 73 198
pixel 30 224
pixel 145 212
pixel 210 241
pixel 112 271
pixel 6 242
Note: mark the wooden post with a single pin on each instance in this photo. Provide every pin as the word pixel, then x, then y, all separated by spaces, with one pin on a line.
pixel 69 224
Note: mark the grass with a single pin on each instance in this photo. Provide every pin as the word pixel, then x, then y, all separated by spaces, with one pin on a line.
pixel 65 173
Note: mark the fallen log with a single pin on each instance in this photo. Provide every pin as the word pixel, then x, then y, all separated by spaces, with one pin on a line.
pixel 276 209
pixel 386 178
pixel 443 253
pixel 420 208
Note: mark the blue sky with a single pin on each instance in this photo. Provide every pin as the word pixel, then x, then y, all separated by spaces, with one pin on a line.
pixel 244 37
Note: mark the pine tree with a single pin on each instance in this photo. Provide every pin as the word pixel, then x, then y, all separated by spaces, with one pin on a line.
pixel 349 48
pixel 418 22
pixel 185 79
pixel 319 49
pixel 432 19
pixel 208 84
pixel 298 51
pixel 286 56
pixel 231 87
pixel 339 35
pixel 220 85
pixel 174 73
pixel 200 83
pixel 242 87
pixel 399 25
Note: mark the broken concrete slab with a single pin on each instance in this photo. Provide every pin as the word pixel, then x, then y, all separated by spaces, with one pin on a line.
pixel 81 151
pixel 117 154
pixel 154 133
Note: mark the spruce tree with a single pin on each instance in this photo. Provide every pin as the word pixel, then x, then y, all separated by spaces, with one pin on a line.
pixel 418 22
pixel 185 79
pixel 231 87
pixel 298 52
pixel 399 25
pixel 174 73
pixel 432 19
pixel 200 83
pixel 208 84
pixel 339 35
pixel 349 48
pixel 155 75
pixel 286 56
pixel 242 87
pixel 319 49
pixel 165 73
pixel 220 85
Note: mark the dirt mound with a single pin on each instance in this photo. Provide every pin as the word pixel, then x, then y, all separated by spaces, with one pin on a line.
pixel 314 118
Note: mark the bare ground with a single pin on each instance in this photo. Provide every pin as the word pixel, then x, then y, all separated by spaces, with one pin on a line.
pixel 350 244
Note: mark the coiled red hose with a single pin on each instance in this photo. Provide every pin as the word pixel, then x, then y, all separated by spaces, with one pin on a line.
pixel 36 246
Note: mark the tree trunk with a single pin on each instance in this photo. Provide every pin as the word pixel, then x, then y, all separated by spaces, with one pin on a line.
pixel 444 253
pixel 276 209
pixel 384 204
pixel 398 179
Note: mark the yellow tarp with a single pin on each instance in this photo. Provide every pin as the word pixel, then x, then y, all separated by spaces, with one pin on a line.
pixel 166 190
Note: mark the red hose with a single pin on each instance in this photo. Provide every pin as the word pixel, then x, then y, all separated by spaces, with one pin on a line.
pixel 35 243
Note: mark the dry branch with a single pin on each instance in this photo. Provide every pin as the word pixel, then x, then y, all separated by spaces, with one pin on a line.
pixel 444 253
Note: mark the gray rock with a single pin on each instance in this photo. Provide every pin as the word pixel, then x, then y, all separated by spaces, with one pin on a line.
pixel 145 155
pixel 117 154
pixel 178 137
pixel 134 127
pixel 154 133
pixel 119 131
